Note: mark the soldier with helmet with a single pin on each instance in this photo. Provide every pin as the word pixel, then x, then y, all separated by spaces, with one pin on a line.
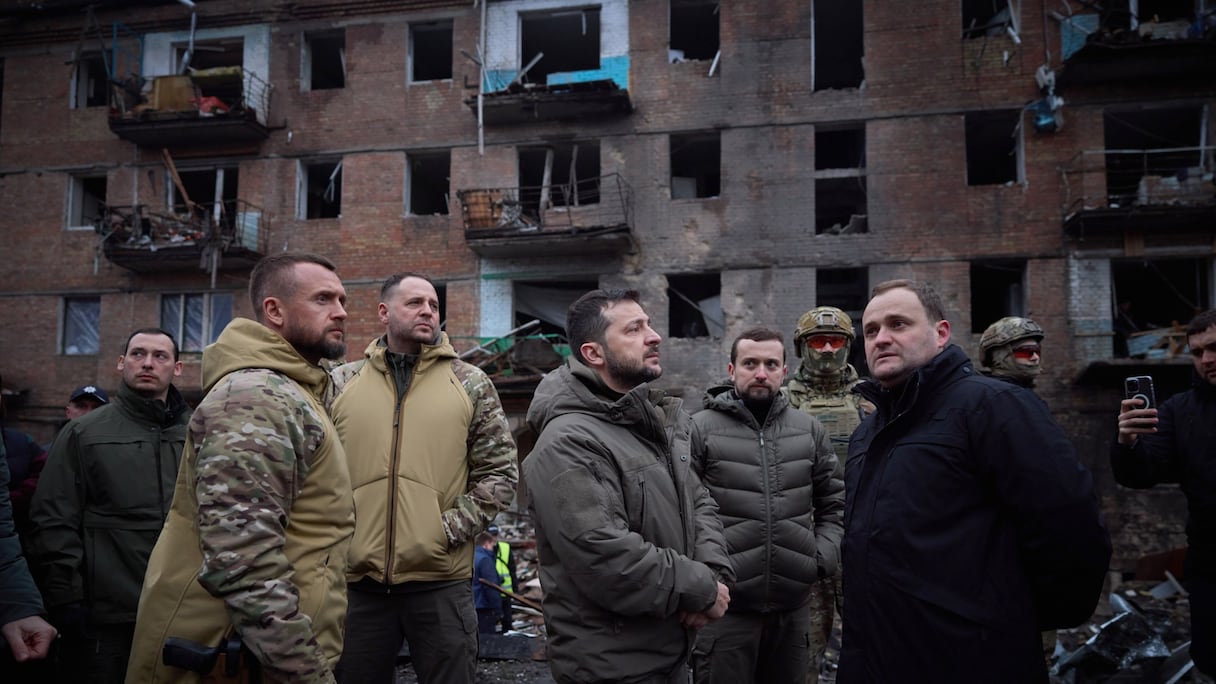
pixel 822 387
pixel 1011 350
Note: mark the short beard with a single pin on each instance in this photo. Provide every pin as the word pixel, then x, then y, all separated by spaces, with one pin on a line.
pixel 317 347
pixel 628 375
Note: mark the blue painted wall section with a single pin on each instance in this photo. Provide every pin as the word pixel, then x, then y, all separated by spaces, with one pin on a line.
pixel 614 68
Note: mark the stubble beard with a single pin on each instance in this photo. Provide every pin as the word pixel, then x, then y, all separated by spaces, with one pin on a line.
pixel 628 374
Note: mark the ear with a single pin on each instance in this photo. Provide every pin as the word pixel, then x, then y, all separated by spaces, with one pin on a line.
pixel 730 371
pixel 177 369
pixel 272 312
pixel 942 329
pixel 593 354
pixel 120 362
pixel 382 312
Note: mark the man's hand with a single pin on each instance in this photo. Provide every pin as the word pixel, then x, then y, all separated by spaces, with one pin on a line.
pixel 714 612
pixel 29 638
pixel 1135 421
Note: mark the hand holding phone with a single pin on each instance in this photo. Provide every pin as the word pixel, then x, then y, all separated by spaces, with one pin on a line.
pixel 1139 396
pixel 1140 389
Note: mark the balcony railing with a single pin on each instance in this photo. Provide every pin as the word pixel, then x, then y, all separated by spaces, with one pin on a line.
pixel 551 219
pixel 207 106
pixel 231 234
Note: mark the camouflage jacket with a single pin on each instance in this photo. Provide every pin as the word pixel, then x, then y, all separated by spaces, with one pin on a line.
pixel 833 403
pixel 256 539
pixel 430 470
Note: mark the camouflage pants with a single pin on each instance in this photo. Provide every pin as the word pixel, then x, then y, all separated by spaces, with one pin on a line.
pixel 827 599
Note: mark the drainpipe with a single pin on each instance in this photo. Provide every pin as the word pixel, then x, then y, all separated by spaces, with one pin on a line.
pixel 481 84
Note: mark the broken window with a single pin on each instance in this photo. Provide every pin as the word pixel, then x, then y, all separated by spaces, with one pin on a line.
pixel 695 305
pixel 694 30
pixel 1159 157
pixel 90 83
pixel 560 175
pixel 997 290
pixel 1148 294
pixel 994 147
pixel 211 193
pixel 548 302
pixel 195 320
pixel 428 182
pixel 696 165
pixel 840 182
pixel 86 200
pixel 323 62
pixel 846 289
pixel 430 52
pixel 986 18
pixel 81 325
pixel 838 44
pixel 210 54
pixel 566 40
pixel 319 190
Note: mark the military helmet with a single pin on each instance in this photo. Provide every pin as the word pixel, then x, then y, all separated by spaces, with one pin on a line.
pixel 1006 330
pixel 822 320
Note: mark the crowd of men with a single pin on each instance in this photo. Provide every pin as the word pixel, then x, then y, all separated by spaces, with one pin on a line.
pixel 310 516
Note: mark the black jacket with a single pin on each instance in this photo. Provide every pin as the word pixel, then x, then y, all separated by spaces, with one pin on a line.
pixel 1183 450
pixel 779 500
pixel 969 527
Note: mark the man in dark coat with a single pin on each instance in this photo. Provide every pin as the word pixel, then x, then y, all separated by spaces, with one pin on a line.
pixel 1177 443
pixel 970 526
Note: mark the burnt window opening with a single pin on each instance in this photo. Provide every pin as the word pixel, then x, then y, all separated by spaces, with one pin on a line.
pixel 325 60
pixel 838 44
pixel 843 148
pixel 696 165
pixel 985 18
pixel 561 175
pixel 90 86
pixel 213 193
pixel 320 190
pixel 569 41
pixel 430 51
pixel 1147 294
pixel 993 147
pixel 997 290
pixel 429 183
pixel 548 302
pixel 1120 14
pixel 840 206
pixel 846 289
pixel 1160 158
pixel 694 305
pixel 86 201
pixel 694 30
pixel 209 54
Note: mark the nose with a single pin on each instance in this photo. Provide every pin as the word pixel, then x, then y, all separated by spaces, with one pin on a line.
pixel 652 338
pixel 340 314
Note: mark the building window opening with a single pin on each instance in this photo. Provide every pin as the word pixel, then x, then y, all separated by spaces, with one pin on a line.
pixel 696 165
pixel 210 54
pixel 1149 294
pixel 565 175
pixel 840 183
pixel 547 302
pixel 997 290
pixel 695 305
pixel 429 182
pixel 993 147
pixel 320 190
pixel 195 320
pixel 86 201
pixel 986 18
pixel 838 44
pixel 430 51
pixel 324 62
pixel 694 30
pixel 568 41
pixel 1160 157
pixel 846 289
pixel 81 326
pixel 211 193
pixel 90 82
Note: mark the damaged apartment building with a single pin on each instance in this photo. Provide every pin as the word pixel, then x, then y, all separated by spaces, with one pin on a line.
pixel 735 162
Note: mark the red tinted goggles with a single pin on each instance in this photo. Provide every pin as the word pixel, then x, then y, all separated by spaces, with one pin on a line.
pixel 826 343
pixel 1027 352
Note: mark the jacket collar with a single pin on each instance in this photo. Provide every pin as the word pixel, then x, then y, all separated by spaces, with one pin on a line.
pixel 151 411
pixel 950 364
pixel 431 353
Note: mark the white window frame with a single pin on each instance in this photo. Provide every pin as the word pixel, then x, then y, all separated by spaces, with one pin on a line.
pixel 70 315
pixel 78 95
pixel 208 332
pixel 74 210
pixel 302 185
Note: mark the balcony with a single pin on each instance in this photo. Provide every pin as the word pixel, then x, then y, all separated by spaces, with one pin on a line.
pixel 1165 191
pixel 526 102
pixel 209 107
pixel 228 235
pixel 592 216
pixel 1150 53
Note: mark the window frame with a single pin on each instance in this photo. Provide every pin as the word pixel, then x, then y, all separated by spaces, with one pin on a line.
pixel 66 321
pixel 208 332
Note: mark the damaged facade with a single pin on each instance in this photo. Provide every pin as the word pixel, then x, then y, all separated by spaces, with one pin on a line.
pixel 737 163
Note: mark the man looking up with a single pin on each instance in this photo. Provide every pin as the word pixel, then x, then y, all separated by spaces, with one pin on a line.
pixel 632 559
pixel 100 504
pixel 772 472
pixel 970 526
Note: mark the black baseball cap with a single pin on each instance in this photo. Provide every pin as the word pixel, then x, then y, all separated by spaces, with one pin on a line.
pixel 90 391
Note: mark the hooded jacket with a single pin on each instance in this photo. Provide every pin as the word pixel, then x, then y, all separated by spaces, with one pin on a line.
pixel 970 526
pixel 430 467
pixel 778 497
pixel 102 499
pixel 262 516
pixel 627 536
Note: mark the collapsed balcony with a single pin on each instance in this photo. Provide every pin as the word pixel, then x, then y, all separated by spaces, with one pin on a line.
pixel 228 235
pixel 585 216
pixel 1116 47
pixel 1165 191
pixel 216 106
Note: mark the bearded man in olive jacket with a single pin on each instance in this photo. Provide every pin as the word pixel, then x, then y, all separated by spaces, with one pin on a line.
pixel 632 559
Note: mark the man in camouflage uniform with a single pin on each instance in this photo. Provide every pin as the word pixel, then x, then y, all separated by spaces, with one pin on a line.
pixel 432 462
pixel 822 387
pixel 256 540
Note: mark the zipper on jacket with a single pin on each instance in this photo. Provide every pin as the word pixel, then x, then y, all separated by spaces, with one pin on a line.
pixel 392 484
pixel 768 519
